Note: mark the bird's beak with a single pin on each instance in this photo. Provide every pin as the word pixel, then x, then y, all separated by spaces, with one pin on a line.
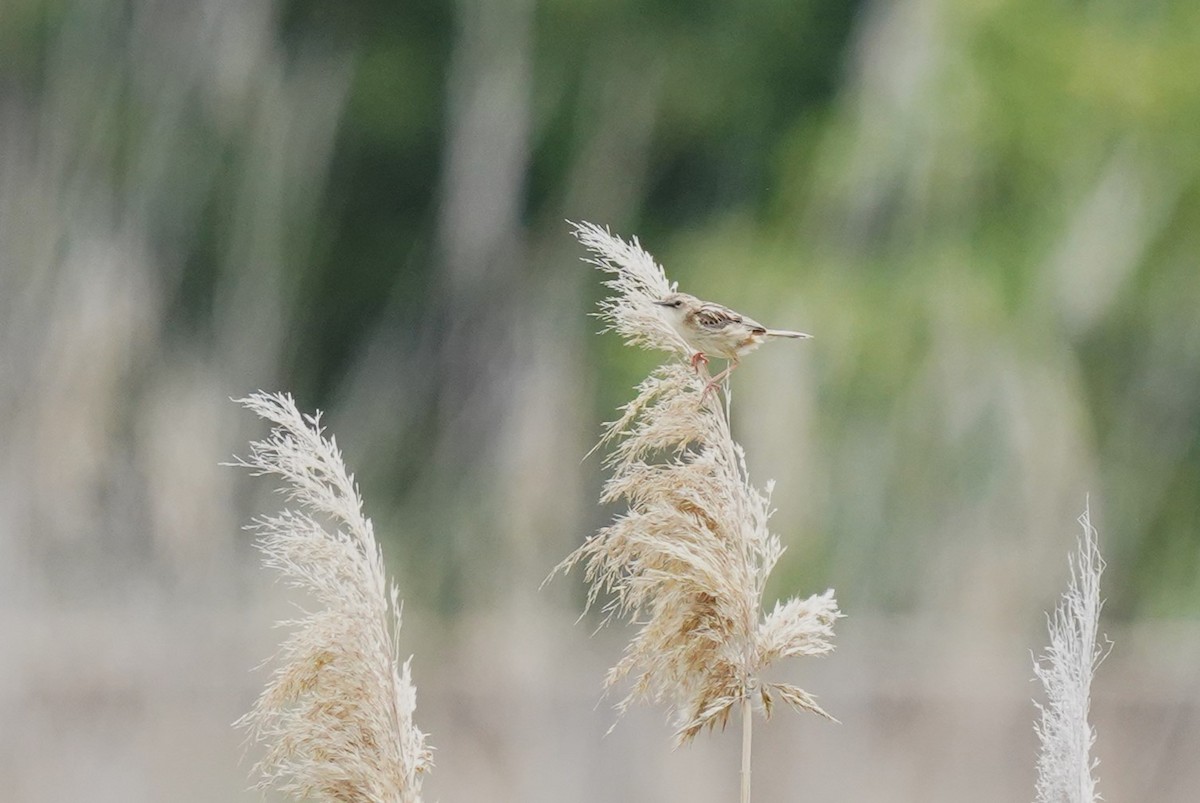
pixel 662 303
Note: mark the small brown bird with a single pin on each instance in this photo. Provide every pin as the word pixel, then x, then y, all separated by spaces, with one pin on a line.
pixel 712 329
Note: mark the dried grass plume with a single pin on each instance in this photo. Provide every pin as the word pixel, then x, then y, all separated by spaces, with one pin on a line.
pixel 1065 766
pixel 336 718
pixel 688 560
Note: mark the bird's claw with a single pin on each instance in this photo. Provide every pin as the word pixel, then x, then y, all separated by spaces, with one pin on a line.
pixel 697 358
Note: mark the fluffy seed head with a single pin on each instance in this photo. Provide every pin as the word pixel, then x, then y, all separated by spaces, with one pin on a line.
pixel 1065 767
pixel 690 556
pixel 336 718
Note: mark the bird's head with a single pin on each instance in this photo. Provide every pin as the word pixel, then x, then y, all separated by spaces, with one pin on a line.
pixel 677 305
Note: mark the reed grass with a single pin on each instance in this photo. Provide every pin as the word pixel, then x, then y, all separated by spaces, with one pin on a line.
pixel 1066 768
pixel 336 717
pixel 686 563
pixel 688 560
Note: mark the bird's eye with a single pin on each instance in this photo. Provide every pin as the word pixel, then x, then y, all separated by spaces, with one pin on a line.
pixel 676 304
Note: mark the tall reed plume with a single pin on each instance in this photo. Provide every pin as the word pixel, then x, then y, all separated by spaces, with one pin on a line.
pixel 1065 766
pixel 688 560
pixel 336 718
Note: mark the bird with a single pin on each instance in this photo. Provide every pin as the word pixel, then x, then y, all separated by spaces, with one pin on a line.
pixel 716 330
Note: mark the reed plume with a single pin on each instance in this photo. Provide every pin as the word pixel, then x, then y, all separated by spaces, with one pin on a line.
pixel 336 717
pixel 689 558
pixel 1066 770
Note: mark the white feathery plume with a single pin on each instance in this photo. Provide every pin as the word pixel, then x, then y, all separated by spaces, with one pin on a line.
pixel 637 282
pixel 336 718
pixel 688 560
pixel 1065 766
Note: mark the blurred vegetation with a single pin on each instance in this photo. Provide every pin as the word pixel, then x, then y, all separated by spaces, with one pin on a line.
pixel 988 212
pixel 733 82
pixel 1028 169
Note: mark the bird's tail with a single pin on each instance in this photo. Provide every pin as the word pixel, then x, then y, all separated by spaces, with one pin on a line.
pixel 786 333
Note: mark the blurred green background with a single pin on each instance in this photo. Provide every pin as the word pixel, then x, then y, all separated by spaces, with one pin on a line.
pixel 987 212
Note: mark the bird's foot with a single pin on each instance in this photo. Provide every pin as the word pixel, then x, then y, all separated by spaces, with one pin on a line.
pixel 697 358
pixel 718 380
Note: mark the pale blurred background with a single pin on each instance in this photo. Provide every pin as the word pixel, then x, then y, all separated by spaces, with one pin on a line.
pixel 987 212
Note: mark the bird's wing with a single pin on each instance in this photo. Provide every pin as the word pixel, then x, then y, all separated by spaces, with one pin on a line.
pixel 716 317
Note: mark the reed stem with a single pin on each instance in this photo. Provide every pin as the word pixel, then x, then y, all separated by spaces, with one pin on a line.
pixel 747 722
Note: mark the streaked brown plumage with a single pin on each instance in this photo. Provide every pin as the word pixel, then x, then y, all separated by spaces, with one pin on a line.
pixel 715 330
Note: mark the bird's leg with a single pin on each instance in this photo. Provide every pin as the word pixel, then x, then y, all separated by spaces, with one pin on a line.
pixel 697 358
pixel 716 380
